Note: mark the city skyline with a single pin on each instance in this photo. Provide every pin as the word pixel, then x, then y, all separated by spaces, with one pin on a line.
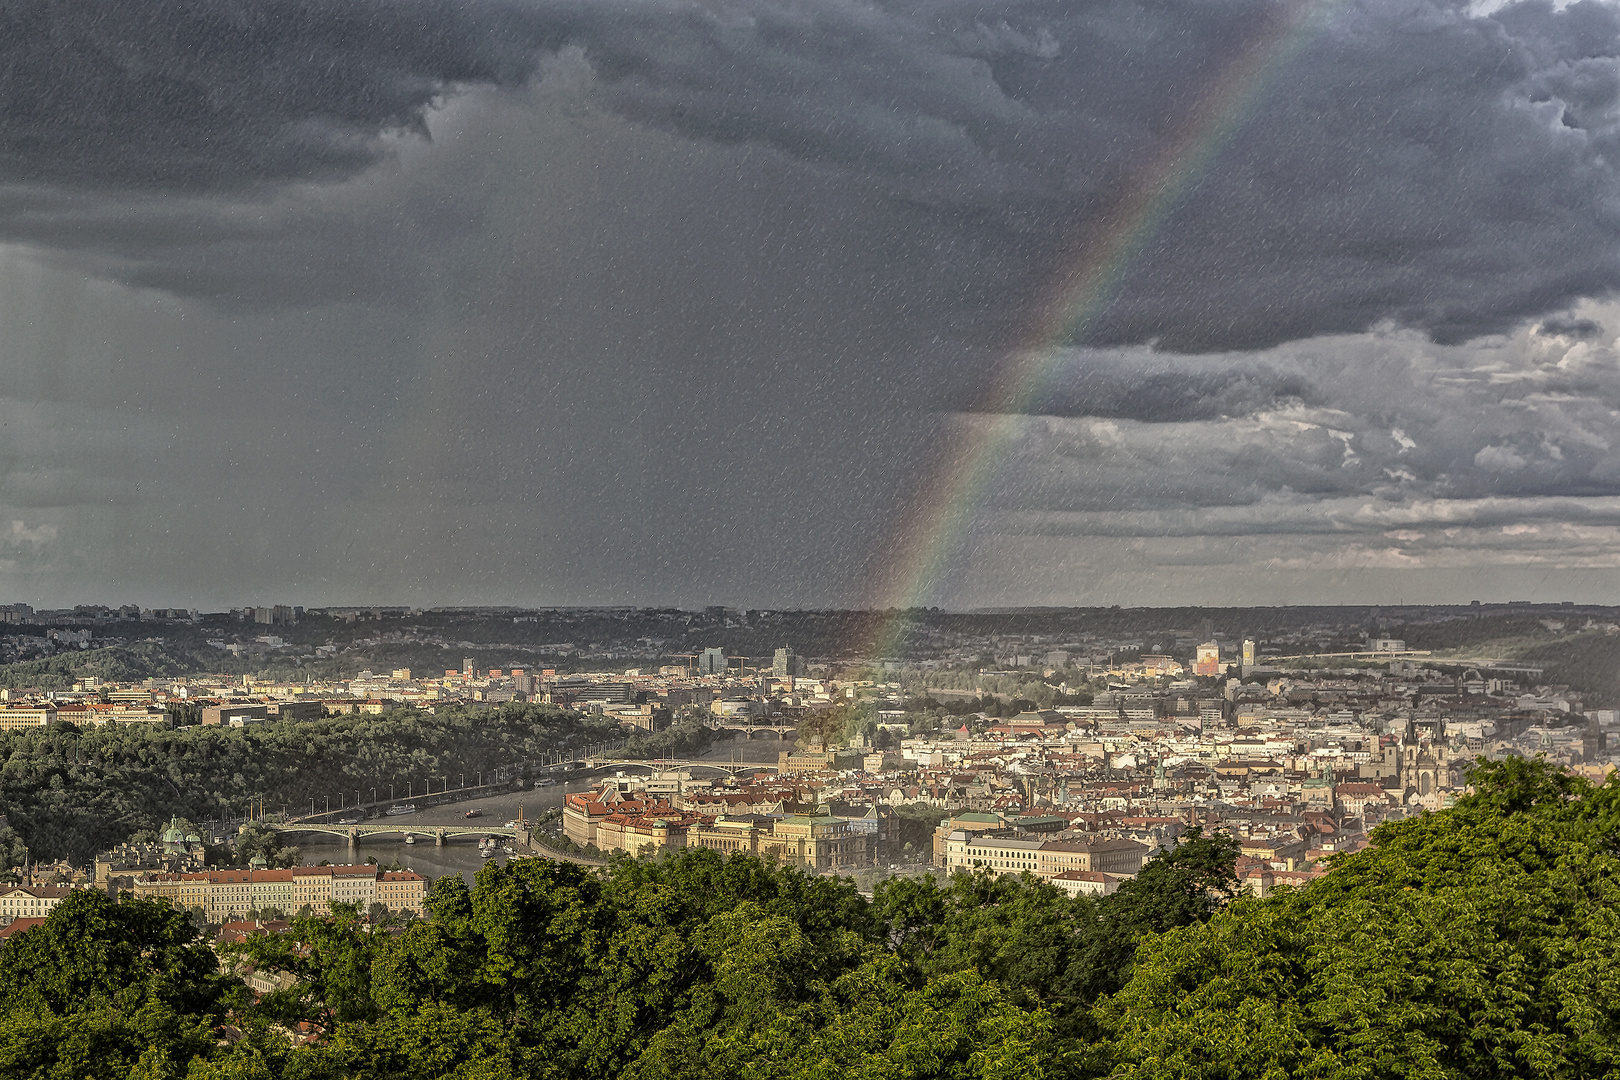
pixel 819 305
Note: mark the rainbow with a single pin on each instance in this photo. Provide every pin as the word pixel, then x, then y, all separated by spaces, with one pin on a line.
pixel 932 531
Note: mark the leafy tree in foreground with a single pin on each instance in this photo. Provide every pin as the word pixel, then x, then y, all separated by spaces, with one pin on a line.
pixel 104 986
pixel 1481 942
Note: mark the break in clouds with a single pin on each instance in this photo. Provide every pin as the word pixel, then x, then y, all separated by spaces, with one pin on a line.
pixel 664 301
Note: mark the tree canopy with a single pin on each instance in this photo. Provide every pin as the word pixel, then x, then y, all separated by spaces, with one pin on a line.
pixel 71 794
pixel 1480 941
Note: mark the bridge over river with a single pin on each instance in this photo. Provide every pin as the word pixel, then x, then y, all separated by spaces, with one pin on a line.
pixel 661 765
pixel 441 834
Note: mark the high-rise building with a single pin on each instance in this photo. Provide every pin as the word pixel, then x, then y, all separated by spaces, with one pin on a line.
pixel 1248 652
pixel 787 664
pixel 1209 659
pixel 712 662
pixel 467 666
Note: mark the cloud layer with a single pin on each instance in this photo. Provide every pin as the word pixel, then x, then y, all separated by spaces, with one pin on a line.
pixel 671 301
pixel 1416 162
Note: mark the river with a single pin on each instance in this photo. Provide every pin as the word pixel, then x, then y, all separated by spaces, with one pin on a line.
pixel 461 856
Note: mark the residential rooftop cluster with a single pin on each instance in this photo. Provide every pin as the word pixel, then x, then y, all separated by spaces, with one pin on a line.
pixel 1296 766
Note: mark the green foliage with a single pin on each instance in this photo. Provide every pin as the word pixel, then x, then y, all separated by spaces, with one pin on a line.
pixel 1481 942
pixel 1184 886
pixel 71 794
pixel 104 987
pixel 13 852
pixel 331 957
pixel 914 824
pixel 124 663
pixel 258 841
pixel 831 726
pixel 687 737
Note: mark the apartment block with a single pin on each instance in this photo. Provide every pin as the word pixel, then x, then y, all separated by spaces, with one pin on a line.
pixel 231 894
pixel 1046 859
pixel 31 901
pixel 17 717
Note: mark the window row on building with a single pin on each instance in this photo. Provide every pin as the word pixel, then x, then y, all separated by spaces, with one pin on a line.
pixel 644 827
pixel 231 894
pixel 1045 859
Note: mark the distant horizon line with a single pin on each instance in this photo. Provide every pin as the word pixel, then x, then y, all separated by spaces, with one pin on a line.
pixel 999 609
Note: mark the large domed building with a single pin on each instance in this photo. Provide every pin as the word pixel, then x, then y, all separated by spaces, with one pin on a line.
pixel 177 841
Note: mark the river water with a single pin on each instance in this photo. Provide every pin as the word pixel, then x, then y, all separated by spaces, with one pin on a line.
pixel 461 856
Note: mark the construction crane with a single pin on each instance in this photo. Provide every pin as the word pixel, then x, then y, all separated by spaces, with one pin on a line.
pixel 687 656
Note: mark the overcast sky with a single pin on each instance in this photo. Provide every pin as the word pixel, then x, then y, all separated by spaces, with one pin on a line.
pixel 669 302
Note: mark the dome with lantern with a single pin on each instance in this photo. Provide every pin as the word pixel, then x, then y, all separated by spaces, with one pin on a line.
pixel 177 840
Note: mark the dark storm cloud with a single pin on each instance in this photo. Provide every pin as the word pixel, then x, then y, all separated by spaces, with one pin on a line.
pixel 196 94
pixel 1414 162
pixel 1568 326
pixel 1168 390
pixel 667 301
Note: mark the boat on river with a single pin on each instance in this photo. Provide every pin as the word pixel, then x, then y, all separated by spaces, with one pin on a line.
pixel 400 808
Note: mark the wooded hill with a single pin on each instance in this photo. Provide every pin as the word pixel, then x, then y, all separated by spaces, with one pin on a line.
pixel 70 793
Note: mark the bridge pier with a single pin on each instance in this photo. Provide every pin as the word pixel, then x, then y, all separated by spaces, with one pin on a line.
pixel 354 839
pixel 438 838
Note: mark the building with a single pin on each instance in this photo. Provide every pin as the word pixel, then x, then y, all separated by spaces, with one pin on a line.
pixel 94 714
pixel 646 716
pixel 16 613
pixel 277 615
pixel 585 812
pixel 1046 859
pixel 401 891
pixel 646 825
pixel 118 867
pixel 606 692
pixel 1278 852
pixel 1209 659
pixel 237 715
pixel 1159 664
pixel 645 834
pixel 713 662
pixel 787 664
pixel 223 895
pixel 1003 854
pixel 31 901
pixel 971 822
pixel 296 710
pixel 18 926
pixel 818 843
pixel 1248 653
pixel 16 717
pixel 815 759
pixel 730 836
pixel 1087 882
